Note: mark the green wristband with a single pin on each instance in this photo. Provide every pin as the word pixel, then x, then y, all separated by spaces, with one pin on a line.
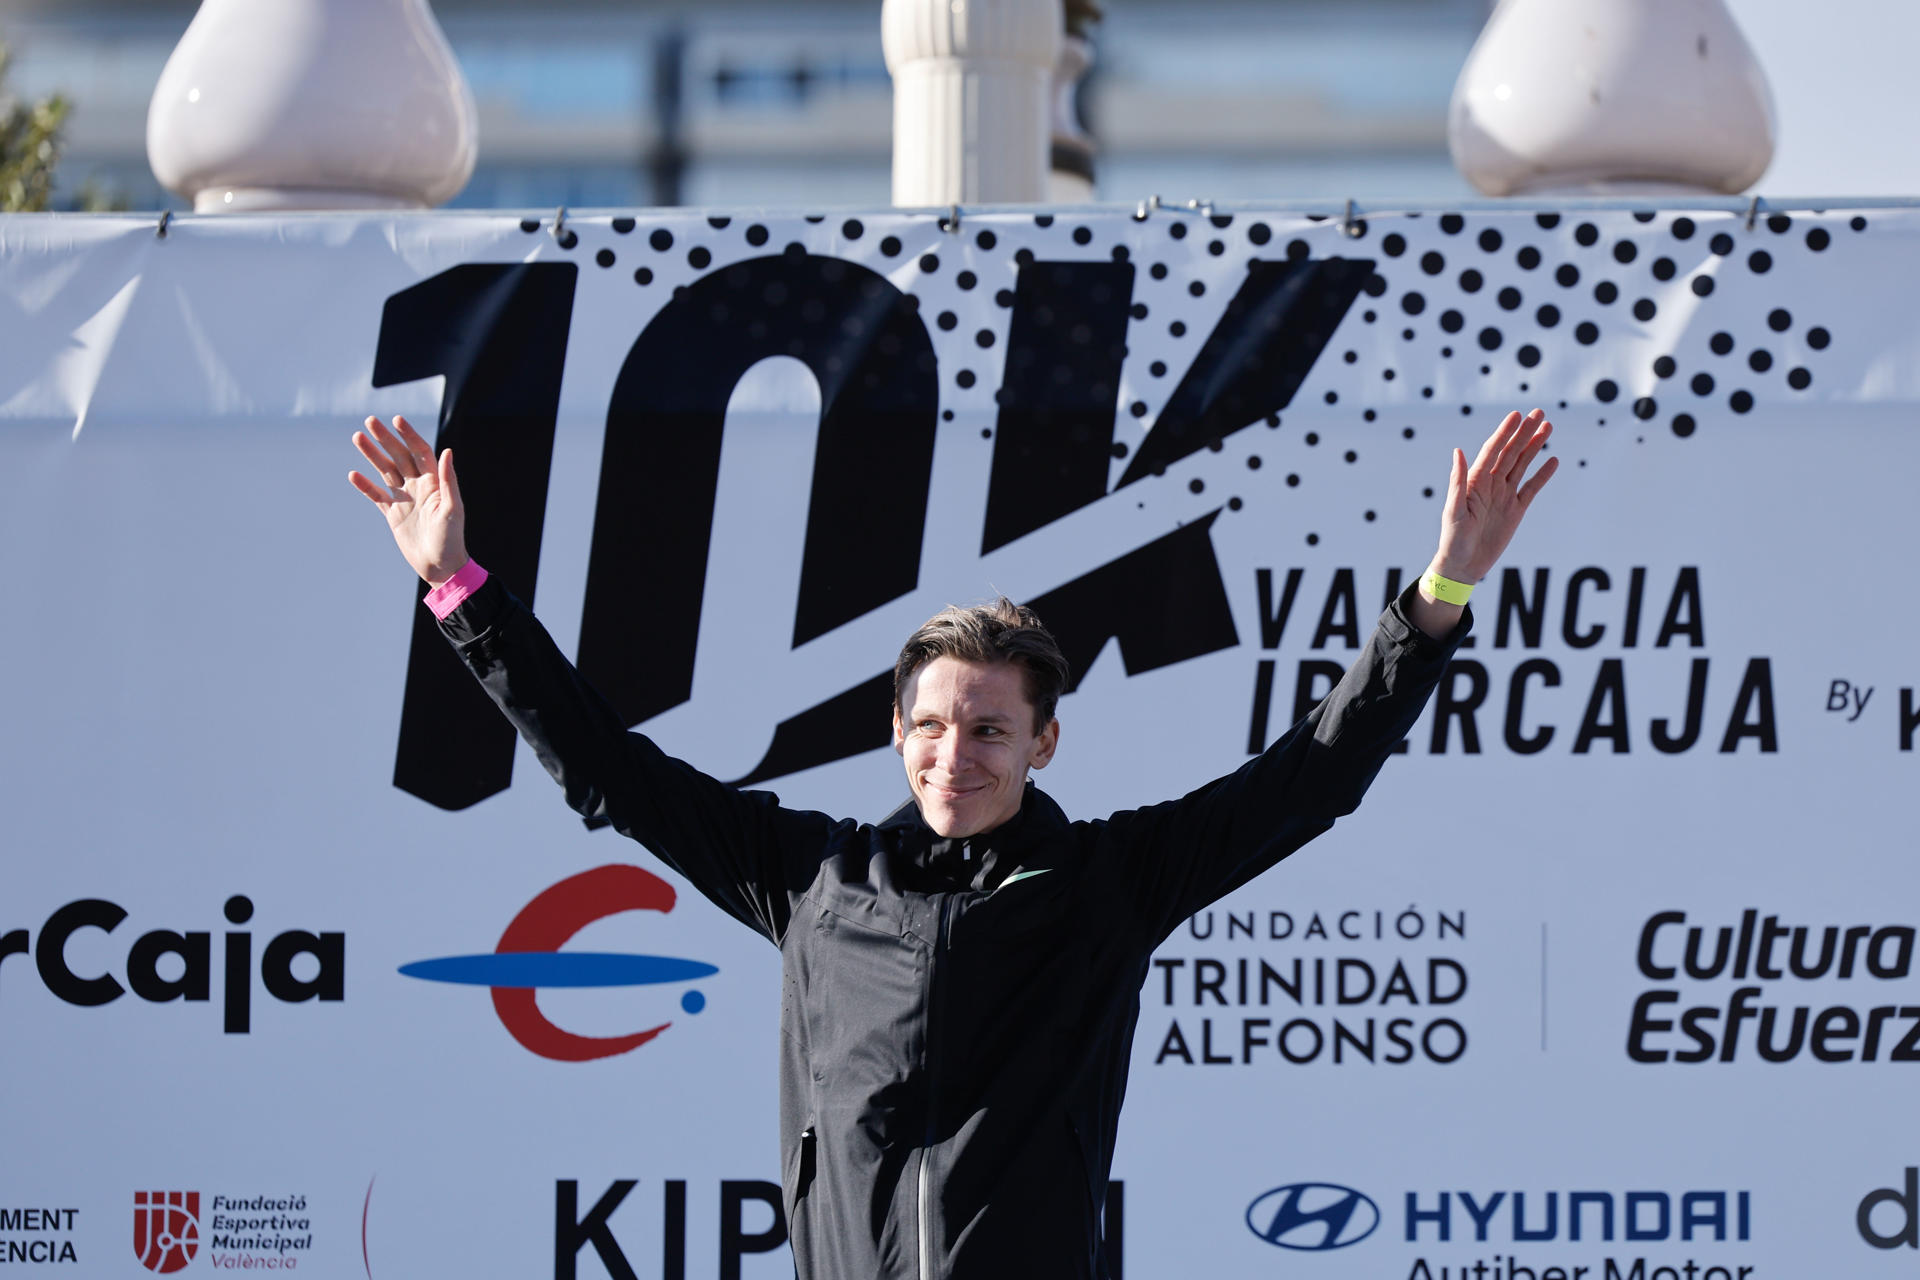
pixel 1446 590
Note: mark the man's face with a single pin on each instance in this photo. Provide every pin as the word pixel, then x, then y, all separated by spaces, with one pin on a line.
pixel 966 735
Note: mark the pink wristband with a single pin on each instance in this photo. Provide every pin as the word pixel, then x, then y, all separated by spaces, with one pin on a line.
pixel 444 598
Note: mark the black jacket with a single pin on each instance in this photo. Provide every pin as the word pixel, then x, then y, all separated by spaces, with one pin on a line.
pixel 956 1016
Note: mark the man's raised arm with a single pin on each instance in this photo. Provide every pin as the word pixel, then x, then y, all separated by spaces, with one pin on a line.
pixel 1178 856
pixel 744 851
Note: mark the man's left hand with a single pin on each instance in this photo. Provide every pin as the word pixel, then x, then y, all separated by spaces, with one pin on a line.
pixel 1485 504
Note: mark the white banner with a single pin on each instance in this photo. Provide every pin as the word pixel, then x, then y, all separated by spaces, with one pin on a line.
pixel 1611 976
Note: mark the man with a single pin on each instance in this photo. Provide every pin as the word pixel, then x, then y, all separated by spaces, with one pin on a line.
pixel 960 981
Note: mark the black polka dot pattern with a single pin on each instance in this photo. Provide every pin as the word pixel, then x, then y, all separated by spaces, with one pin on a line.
pixel 1676 325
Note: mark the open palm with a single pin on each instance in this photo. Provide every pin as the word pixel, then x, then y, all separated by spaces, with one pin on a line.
pixel 1485 502
pixel 421 500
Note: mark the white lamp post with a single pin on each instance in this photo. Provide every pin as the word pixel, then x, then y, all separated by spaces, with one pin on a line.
pixel 972 88
pixel 1611 96
pixel 312 104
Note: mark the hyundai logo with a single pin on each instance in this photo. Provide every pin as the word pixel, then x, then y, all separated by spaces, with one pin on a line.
pixel 1312 1216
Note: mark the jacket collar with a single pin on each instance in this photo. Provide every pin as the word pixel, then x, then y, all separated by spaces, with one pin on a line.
pixel 981 860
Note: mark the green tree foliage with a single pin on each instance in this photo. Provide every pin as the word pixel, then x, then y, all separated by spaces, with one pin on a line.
pixel 29 146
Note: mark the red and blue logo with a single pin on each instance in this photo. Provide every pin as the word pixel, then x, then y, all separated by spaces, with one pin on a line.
pixel 529 958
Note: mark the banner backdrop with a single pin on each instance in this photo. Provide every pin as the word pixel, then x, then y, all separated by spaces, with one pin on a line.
pixel 1611 976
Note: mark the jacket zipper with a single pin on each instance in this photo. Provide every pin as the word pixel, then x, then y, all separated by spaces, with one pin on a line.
pixel 933 1095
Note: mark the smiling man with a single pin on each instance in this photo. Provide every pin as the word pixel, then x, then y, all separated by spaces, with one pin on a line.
pixel 974 691
pixel 961 979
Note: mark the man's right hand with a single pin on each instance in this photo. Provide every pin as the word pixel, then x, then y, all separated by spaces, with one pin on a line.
pixel 421 501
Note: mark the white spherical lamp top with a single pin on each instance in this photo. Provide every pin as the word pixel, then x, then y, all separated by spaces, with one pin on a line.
pixel 1611 97
pixel 312 104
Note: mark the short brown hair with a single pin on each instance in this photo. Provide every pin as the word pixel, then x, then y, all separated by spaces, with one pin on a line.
pixel 999 632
